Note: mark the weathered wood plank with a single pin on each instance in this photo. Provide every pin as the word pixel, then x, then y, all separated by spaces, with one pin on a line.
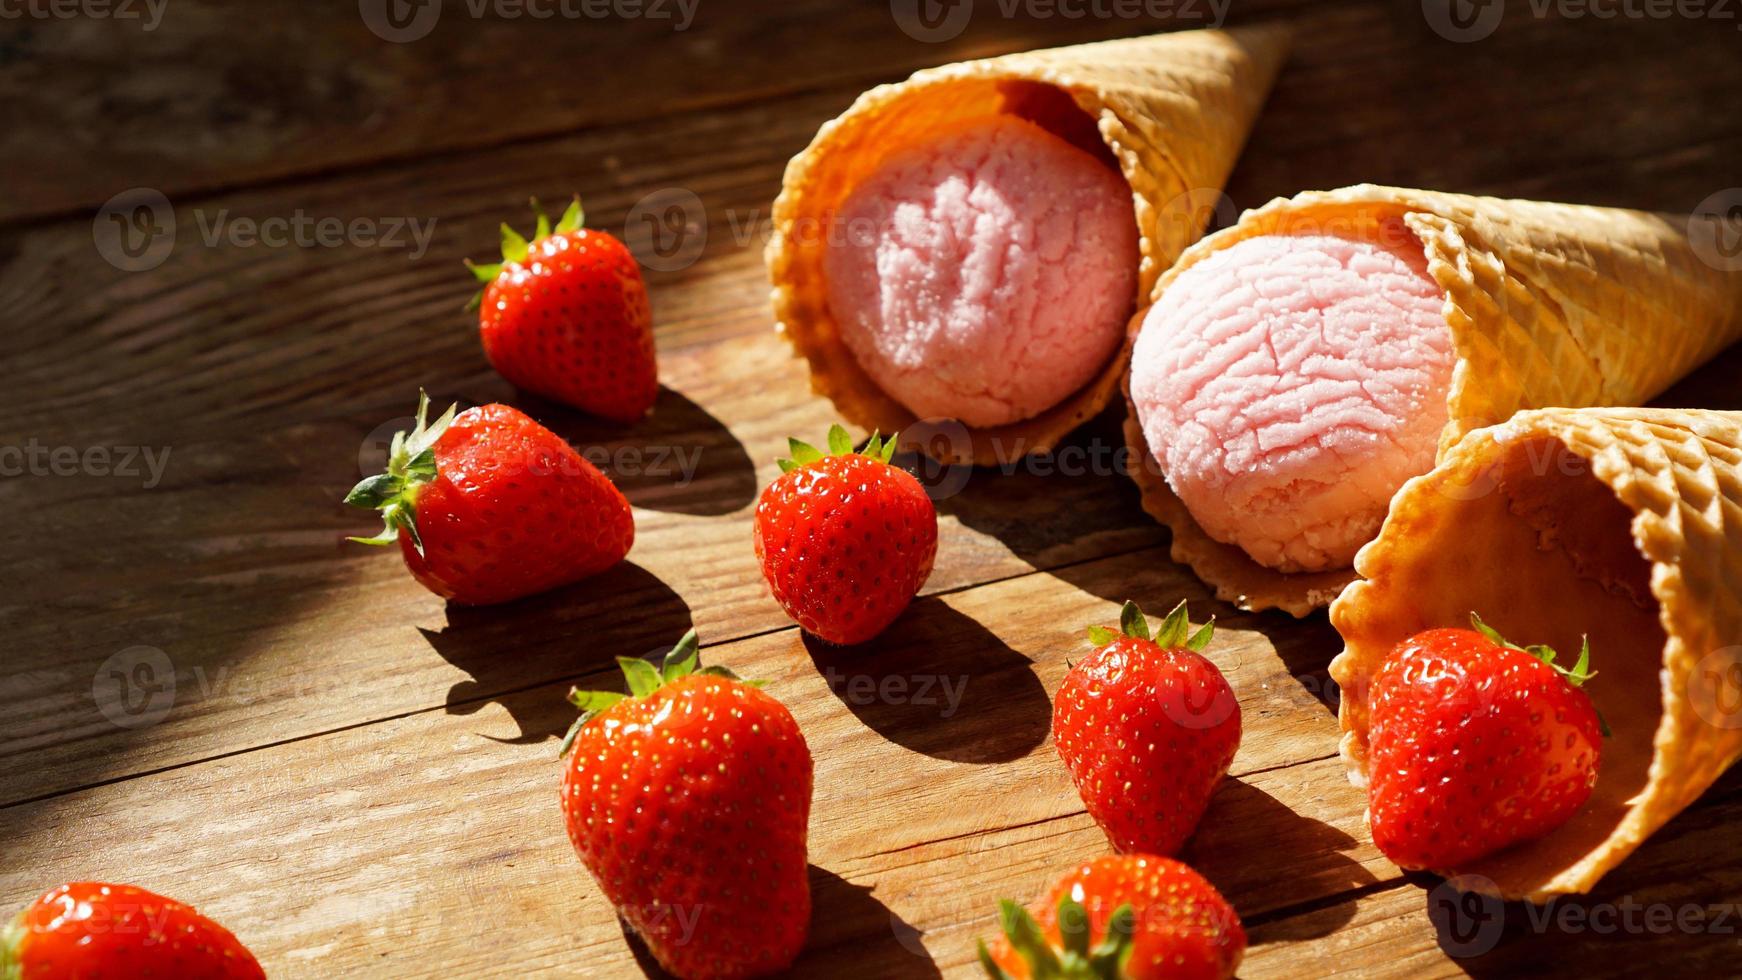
pixel 248 365
pixel 359 780
pixel 275 628
pixel 214 95
pixel 347 852
pixel 1675 903
pixel 444 822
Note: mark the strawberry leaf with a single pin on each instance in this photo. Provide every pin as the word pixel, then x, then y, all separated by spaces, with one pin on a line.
pixel 411 463
pixel 840 443
pixel 1173 629
pixel 803 452
pixel 991 967
pixel 1101 635
pixel 1110 957
pixel 643 678
pixel 1073 924
pixel 594 700
pixel 1027 940
pixel 573 218
pixel 375 491
pixel 888 452
pixel 1580 672
pixel 1132 623
pixel 542 231
pixel 1201 638
pixel 514 247
pixel 1490 632
pixel 681 661
pixel 568 741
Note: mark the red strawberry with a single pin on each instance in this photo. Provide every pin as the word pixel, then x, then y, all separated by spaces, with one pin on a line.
pixel 1476 744
pixel 845 540
pixel 1147 728
pixel 494 506
pixel 1134 917
pixel 688 800
pixel 88 929
pixel 566 316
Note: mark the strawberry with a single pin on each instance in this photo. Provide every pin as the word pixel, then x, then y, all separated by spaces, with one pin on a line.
pixel 1147 728
pixel 688 800
pixel 1475 744
pixel 845 539
pixel 88 929
pixel 566 316
pixel 1135 917
pixel 494 506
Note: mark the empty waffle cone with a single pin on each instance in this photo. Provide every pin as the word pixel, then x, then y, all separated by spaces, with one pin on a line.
pixel 1548 304
pixel 1623 524
pixel 1171 110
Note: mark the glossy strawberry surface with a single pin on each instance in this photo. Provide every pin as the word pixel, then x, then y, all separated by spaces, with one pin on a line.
pixel 1474 746
pixel 690 805
pixel 1182 927
pixel 88 930
pixel 571 321
pixel 845 543
pixel 512 510
pixel 1147 731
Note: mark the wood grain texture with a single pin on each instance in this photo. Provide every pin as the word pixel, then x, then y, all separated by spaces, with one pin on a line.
pixel 361 781
pixel 219 94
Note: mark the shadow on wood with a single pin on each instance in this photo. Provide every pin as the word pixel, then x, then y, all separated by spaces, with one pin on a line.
pixel 1673 900
pixel 562 634
pixel 851 933
pixel 1305 647
pixel 679 458
pixel 1242 822
pixel 1055 509
pixel 939 683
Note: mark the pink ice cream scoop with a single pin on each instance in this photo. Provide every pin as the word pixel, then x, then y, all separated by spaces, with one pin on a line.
pixel 1289 384
pixel 986 275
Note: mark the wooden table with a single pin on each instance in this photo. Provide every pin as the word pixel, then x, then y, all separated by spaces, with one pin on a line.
pixel 207 693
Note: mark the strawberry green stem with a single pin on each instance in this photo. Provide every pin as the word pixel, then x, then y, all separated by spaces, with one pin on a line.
pixel 1175 630
pixel 516 248
pixel 840 444
pixel 1074 959
pixel 411 463
pixel 12 948
pixel 643 679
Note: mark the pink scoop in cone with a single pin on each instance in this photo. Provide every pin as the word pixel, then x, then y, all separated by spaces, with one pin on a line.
pixel 986 275
pixel 1289 384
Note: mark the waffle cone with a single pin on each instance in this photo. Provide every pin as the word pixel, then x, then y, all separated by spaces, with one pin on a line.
pixel 1171 110
pixel 1548 304
pixel 1623 524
